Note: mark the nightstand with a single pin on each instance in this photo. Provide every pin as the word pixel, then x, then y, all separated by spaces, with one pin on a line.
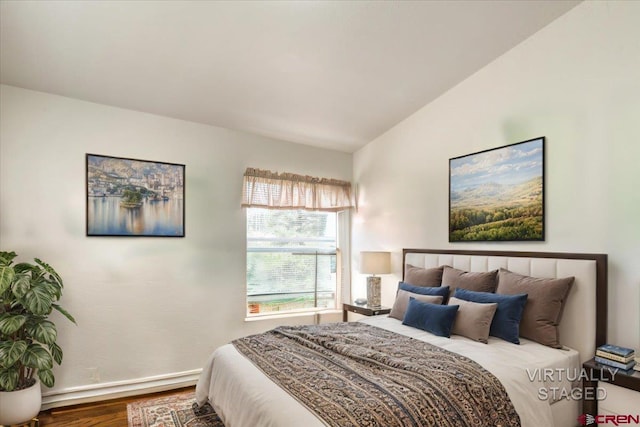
pixel 365 310
pixel 596 372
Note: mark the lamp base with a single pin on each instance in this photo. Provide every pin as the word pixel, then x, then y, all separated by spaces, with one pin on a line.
pixel 373 292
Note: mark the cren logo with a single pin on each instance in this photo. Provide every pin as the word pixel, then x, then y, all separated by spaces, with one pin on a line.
pixel 616 420
pixel 586 419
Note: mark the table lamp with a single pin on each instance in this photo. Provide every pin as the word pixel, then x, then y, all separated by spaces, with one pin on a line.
pixel 374 263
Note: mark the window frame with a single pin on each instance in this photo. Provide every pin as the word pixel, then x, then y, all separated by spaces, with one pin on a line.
pixel 342 273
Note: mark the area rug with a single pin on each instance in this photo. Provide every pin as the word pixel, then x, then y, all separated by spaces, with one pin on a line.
pixel 177 410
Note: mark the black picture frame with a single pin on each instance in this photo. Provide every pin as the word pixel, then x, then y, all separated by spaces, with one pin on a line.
pixel 498 194
pixel 134 198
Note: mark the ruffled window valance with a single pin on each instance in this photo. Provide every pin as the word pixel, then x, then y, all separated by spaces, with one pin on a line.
pixel 272 190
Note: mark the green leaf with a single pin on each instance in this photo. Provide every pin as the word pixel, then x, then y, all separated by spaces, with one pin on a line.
pixel 11 352
pixel 38 300
pixel 6 258
pixel 6 277
pixel 46 376
pixel 43 331
pixel 25 266
pixel 37 357
pixel 50 270
pixel 56 352
pixel 65 313
pixel 55 289
pixel 10 323
pixel 9 379
pixel 21 285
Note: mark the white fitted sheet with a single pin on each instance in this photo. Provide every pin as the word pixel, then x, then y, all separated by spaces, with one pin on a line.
pixel 244 397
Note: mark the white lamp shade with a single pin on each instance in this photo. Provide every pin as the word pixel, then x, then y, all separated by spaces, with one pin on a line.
pixel 375 262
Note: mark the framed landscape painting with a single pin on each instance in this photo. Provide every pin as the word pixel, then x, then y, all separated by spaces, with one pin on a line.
pixel 129 197
pixel 498 194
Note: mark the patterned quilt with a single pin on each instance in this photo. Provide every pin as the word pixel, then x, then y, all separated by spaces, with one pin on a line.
pixel 354 374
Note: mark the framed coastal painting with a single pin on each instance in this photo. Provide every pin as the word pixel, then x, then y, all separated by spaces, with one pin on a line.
pixel 498 194
pixel 130 197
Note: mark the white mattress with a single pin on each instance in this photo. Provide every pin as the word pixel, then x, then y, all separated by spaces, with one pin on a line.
pixel 244 397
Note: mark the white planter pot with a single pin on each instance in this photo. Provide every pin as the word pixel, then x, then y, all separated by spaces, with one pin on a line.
pixel 18 407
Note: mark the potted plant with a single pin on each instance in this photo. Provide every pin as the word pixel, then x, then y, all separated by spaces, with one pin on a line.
pixel 28 349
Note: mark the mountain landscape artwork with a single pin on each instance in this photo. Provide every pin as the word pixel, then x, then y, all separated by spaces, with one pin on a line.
pixel 498 194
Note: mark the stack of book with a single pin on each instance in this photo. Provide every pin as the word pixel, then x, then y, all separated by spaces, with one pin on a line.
pixel 616 356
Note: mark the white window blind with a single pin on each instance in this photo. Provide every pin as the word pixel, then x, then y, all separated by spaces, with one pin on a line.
pixel 291 260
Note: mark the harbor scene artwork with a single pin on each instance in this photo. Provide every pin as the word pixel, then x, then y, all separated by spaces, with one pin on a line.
pixel 129 197
pixel 498 194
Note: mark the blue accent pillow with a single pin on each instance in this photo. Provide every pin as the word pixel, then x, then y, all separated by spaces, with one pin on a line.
pixel 434 318
pixel 506 321
pixel 442 291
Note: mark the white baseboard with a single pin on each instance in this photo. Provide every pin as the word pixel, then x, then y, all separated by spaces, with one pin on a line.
pixel 117 389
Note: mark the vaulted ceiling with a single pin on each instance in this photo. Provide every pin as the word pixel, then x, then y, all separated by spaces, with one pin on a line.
pixel 334 74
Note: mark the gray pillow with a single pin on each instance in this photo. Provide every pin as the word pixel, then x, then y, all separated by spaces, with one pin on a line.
pixel 402 301
pixel 545 303
pixel 477 282
pixel 418 276
pixel 474 319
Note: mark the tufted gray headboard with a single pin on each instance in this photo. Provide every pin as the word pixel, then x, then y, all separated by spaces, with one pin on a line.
pixel 584 321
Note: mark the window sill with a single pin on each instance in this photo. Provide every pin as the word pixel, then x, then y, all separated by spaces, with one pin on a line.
pixel 270 316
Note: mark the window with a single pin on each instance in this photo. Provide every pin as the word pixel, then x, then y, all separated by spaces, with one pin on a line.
pixel 292 260
pixel 293 241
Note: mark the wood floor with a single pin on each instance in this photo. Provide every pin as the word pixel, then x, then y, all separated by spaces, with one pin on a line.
pixel 110 413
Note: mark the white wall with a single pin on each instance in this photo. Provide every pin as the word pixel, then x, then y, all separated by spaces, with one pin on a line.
pixel 577 82
pixel 144 306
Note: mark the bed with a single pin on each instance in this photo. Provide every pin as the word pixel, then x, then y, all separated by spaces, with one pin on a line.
pixel 537 379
